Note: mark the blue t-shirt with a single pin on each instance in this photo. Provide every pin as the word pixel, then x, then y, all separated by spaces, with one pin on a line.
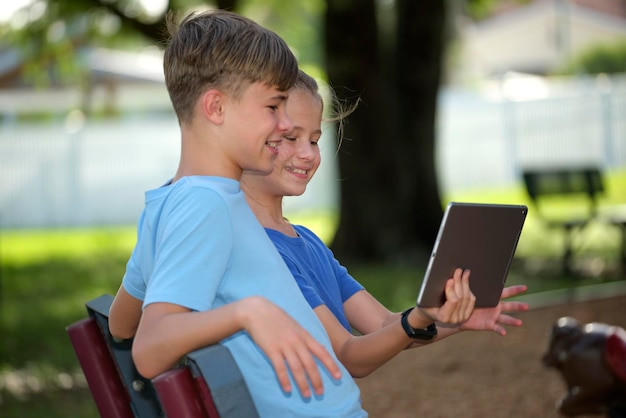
pixel 319 275
pixel 200 246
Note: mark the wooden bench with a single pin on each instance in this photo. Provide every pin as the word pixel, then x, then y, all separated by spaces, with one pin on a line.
pixel 542 184
pixel 584 185
pixel 209 384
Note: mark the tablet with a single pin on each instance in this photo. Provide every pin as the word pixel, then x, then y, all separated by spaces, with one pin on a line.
pixel 478 237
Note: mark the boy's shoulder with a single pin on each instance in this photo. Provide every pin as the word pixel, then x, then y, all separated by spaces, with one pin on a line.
pixel 189 184
pixel 193 191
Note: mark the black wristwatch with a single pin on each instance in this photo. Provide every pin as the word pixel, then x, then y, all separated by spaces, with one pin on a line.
pixel 420 334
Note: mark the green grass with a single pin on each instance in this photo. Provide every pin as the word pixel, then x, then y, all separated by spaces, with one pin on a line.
pixel 47 276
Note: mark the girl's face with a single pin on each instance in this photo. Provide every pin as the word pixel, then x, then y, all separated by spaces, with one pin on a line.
pixel 299 154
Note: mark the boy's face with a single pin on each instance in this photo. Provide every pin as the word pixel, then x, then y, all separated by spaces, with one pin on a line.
pixel 257 123
pixel 299 154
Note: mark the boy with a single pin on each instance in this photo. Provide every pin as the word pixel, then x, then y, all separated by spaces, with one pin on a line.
pixel 203 269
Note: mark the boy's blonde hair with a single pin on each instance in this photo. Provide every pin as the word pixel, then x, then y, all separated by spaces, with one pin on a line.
pixel 222 50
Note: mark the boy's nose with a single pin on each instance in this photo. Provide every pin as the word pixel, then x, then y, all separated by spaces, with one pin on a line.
pixel 285 123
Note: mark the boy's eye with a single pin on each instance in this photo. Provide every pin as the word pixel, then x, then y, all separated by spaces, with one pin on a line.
pixel 290 138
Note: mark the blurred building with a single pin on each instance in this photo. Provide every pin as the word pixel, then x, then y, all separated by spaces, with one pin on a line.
pixel 539 37
pixel 108 79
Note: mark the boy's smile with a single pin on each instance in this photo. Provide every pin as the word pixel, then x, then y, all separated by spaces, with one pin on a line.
pixel 259 121
pixel 273 145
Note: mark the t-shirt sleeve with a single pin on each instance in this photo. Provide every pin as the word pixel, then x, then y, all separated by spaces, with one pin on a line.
pixel 193 246
pixel 348 286
pixel 133 281
pixel 306 287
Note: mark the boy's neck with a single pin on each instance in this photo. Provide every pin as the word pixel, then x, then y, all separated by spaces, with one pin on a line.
pixel 201 156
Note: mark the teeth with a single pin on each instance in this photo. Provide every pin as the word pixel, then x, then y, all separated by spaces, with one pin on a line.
pixel 298 170
pixel 272 144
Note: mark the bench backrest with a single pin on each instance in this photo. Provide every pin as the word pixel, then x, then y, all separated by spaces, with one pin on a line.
pixel 573 180
pixel 210 385
pixel 586 181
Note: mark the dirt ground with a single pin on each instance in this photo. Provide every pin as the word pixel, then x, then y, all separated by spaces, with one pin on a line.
pixel 482 374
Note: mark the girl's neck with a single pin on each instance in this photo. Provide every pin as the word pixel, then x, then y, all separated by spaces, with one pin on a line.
pixel 269 213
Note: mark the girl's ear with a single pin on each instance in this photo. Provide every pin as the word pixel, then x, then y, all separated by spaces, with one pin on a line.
pixel 212 105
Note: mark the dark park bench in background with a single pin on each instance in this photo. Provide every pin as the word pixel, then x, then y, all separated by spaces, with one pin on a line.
pixel 208 385
pixel 583 186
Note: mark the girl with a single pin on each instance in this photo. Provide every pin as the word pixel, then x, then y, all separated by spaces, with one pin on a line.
pixel 339 301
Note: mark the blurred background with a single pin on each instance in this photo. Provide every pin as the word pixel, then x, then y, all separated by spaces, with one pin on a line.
pixel 459 100
pixel 87 125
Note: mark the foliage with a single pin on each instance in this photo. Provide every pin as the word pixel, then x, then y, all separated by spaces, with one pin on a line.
pixel 298 22
pixel 483 9
pixel 599 58
pixel 53 36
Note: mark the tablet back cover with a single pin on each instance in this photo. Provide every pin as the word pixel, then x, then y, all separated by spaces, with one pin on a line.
pixel 478 237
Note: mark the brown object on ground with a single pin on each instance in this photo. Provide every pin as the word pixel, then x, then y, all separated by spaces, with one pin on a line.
pixel 481 374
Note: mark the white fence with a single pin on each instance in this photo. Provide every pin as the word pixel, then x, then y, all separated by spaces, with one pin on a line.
pixel 70 172
pixel 486 138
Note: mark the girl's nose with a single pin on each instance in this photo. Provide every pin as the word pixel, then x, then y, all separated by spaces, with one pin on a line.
pixel 306 151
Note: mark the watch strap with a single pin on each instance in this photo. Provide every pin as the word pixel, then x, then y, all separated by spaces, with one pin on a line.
pixel 421 334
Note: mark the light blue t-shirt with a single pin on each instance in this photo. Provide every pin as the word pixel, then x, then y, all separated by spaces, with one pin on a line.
pixel 200 246
pixel 321 278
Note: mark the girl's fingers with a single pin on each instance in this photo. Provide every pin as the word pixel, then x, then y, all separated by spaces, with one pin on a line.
pixel 514 306
pixel 511 291
pixel 510 320
pixel 466 297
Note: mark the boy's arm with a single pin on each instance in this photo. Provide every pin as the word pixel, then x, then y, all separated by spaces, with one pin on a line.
pixel 167 332
pixel 124 314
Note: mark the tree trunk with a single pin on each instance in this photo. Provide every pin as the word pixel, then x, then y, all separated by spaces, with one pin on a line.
pixel 390 206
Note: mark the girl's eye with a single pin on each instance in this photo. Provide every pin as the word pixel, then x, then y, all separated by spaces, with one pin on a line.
pixel 274 108
pixel 290 138
pixel 314 143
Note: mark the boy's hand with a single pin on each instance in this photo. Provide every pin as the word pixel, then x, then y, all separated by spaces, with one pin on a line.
pixel 289 347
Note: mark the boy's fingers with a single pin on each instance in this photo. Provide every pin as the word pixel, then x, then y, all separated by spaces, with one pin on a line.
pixel 305 369
pixel 282 375
pixel 311 371
pixel 298 373
pixel 325 358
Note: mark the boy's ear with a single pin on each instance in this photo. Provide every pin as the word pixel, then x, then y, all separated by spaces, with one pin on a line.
pixel 212 105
